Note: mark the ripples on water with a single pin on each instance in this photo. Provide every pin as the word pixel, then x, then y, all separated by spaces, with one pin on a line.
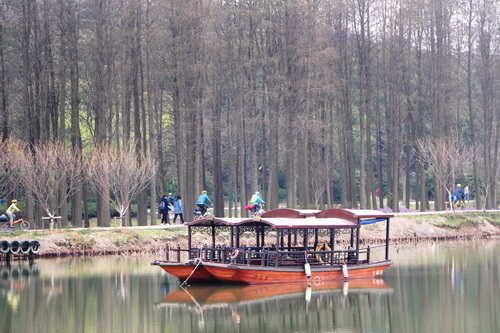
pixel 445 287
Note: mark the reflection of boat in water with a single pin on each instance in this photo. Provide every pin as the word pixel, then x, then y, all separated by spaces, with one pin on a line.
pixel 206 296
pixel 287 248
pixel 284 307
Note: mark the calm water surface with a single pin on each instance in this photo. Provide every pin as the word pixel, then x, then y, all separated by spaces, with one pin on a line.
pixel 451 287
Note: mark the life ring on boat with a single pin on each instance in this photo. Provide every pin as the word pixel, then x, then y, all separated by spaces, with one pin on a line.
pixel 234 254
pixel 322 247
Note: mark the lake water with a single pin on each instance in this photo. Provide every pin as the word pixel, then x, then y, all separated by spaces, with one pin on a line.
pixel 442 287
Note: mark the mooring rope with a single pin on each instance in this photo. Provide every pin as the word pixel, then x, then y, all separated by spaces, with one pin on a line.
pixel 195 267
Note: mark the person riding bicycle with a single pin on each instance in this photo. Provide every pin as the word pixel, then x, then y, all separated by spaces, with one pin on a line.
pixel 11 210
pixel 203 202
pixel 458 194
pixel 256 200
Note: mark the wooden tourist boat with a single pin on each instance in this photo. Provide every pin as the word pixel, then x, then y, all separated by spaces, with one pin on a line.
pixel 287 246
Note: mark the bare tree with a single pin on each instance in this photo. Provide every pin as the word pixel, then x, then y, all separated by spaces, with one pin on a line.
pixel 45 169
pixel 125 174
pixel 488 79
pixel 448 159
pixel 228 87
pixel 488 183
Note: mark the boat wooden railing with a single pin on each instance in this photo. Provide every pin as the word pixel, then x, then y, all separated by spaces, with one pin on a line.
pixel 269 256
pixel 178 254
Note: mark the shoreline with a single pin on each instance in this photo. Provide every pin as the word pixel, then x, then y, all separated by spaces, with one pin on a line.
pixel 152 240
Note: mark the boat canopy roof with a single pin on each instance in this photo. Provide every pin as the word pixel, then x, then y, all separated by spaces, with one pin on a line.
pixel 290 213
pixel 285 218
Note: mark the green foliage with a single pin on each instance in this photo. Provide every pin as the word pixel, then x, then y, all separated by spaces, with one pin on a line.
pixel 170 186
pixel 15 232
pixel 120 242
pixel 282 178
pixel 281 195
pixel 429 184
pixel 92 206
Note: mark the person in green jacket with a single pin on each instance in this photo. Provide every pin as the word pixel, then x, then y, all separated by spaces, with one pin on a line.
pixel 257 201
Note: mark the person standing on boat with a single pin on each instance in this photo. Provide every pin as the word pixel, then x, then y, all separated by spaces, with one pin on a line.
pixel 178 209
pixel 203 202
pixel 256 200
pixel 164 208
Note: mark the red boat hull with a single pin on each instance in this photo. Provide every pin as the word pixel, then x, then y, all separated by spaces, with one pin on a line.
pixel 193 271
pixel 228 273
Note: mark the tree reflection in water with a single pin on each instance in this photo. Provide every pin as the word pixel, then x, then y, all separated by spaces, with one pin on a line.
pixel 446 287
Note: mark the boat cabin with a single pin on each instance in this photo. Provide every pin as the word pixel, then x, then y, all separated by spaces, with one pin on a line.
pixel 285 237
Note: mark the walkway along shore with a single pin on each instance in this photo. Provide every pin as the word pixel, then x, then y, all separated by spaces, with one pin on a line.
pixel 149 240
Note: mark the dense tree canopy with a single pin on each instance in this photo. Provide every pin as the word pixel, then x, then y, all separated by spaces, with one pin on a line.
pixel 313 103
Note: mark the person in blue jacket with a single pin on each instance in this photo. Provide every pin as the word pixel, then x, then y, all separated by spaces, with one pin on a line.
pixel 170 200
pixel 178 209
pixel 458 194
pixel 203 202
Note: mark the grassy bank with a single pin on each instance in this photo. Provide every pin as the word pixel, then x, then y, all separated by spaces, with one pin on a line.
pixel 153 239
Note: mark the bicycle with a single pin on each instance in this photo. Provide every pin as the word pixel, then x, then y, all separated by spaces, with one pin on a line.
pixel 198 216
pixel 460 203
pixel 5 226
pixel 253 212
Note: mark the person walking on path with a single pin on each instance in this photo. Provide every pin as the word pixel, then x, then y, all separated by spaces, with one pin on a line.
pixel 164 208
pixel 170 200
pixel 178 209
pixel 466 193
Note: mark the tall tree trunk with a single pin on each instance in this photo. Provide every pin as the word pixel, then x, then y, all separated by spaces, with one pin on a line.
pixel 273 156
pixel 103 196
pixel 4 116
pixel 140 146
pixel 470 108
pixel 217 158
pixel 487 81
pixel 76 139
pixel 151 116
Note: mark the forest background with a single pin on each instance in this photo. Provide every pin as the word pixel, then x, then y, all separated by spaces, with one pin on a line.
pixel 314 103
